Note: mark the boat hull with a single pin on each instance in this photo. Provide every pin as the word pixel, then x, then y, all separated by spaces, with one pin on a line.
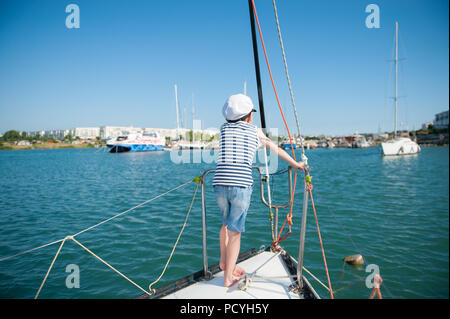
pixel 401 146
pixel 123 148
pixel 288 146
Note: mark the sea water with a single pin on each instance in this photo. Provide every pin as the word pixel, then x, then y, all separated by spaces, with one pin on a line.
pixel 392 210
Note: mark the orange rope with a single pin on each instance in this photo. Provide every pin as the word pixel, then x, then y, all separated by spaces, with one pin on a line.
pixel 320 239
pixel 289 216
pixel 377 280
pixel 376 290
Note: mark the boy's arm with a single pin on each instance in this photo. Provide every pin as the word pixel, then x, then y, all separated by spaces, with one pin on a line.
pixel 277 150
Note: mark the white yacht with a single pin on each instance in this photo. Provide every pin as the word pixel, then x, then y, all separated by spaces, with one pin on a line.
pixel 398 145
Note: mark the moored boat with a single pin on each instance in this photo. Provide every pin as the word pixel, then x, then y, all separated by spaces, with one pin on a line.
pixel 136 143
pixel 288 146
pixel 398 145
pixel 183 145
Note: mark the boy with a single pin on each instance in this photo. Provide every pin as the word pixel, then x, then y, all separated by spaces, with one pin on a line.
pixel 239 139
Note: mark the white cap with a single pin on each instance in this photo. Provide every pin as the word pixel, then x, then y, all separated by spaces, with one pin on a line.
pixel 237 106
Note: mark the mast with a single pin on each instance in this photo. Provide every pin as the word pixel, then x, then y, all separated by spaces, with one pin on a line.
pixel 261 111
pixel 193 113
pixel 396 79
pixel 258 73
pixel 176 106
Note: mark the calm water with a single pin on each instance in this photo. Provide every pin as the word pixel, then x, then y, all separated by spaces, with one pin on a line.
pixel 394 211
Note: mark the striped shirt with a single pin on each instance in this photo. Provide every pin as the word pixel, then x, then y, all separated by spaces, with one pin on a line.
pixel 237 146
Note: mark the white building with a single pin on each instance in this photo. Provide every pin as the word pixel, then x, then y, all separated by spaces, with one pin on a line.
pixel 107 132
pixel 172 132
pixel 85 132
pixel 36 134
pixel 60 134
pixel 168 132
pixel 441 120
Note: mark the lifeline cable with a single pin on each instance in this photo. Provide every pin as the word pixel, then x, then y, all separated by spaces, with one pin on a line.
pixel 98 224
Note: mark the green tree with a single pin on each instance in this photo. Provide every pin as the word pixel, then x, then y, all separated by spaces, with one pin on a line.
pixel 11 135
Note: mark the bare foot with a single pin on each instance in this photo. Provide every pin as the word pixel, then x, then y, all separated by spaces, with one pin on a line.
pixel 237 272
pixel 230 282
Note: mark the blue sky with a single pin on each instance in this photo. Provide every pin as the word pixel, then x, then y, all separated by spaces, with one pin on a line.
pixel 120 66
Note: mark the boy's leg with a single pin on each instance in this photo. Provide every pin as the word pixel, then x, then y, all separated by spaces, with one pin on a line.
pixel 232 253
pixel 224 206
pixel 239 202
pixel 238 271
pixel 223 246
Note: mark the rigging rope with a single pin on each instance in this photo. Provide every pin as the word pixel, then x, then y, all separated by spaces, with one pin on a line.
pixel 310 273
pixel 295 109
pixel 110 266
pixel 131 281
pixel 176 243
pixel 31 250
pixel 91 227
pixel 352 241
pixel 320 239
pixel 49 269
pixel 133 208
pixel 289 216
pixel 287 76
pixel 307 177
pixel 89 251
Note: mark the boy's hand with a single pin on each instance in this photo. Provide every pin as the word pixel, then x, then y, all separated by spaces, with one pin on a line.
pixel 300 165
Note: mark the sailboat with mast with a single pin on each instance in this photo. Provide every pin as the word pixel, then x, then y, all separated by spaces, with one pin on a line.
pixel 398 145
pixel 271 272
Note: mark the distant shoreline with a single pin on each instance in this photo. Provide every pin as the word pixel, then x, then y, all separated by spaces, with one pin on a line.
pixel 70 146
pixel 12 147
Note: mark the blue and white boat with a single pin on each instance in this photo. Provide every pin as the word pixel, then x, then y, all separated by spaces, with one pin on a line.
pixel 136 143
pixel 288 146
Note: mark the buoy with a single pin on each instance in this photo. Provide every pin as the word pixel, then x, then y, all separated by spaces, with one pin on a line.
pixel 354 259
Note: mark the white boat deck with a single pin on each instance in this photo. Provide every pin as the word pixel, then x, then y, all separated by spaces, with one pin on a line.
pixel 274 284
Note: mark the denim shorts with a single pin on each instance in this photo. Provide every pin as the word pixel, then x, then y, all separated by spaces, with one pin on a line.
pixel 233 202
